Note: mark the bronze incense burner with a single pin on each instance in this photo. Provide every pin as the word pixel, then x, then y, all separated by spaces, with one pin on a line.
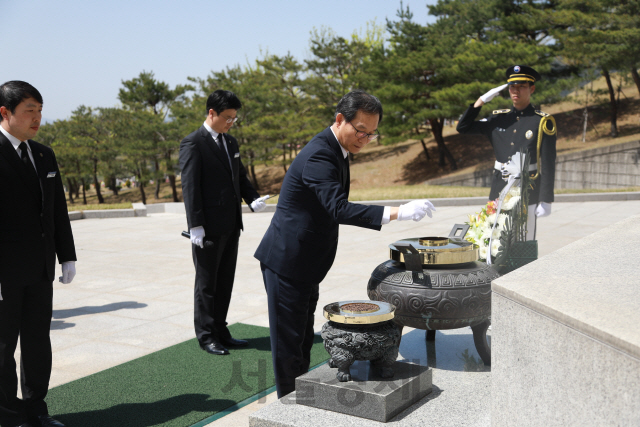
pixel 361 330
pixel 437 283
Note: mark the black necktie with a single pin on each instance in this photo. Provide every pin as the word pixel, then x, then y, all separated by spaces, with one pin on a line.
pixel 31 170
pixel 221 147
pixel 345 174
pixel 220 143
pixel 24 155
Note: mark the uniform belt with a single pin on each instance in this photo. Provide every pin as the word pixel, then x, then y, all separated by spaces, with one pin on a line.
pixel 498 166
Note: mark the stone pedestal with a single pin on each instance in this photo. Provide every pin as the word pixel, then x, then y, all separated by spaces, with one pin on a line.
pixel 367 395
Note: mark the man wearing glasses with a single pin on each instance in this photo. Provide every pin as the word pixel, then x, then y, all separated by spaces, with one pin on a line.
pixel 300 245
pixel 214 181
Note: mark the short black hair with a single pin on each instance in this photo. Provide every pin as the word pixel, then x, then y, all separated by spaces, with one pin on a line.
pixel 14 92
pixel 358 100
pixel 221 100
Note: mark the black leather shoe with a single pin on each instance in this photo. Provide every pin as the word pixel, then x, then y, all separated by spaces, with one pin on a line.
pixel 214 348
pixel 47 421
pixel 25 425
pixel 232 342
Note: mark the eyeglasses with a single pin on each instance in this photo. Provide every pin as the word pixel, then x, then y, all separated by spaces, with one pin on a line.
pixel 361 134
pixel 229 120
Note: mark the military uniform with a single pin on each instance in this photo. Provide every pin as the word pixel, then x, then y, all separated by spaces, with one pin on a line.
pixel 509 131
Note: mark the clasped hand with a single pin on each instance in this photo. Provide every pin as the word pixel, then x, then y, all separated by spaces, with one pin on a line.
pixel 68 272
pixel 415 210
pixel 197 236
pixel 259 204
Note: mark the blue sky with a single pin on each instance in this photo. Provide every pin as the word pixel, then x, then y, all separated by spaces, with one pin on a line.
pixel 77 52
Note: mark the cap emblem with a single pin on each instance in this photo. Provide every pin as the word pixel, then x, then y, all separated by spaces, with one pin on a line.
pixel 516 69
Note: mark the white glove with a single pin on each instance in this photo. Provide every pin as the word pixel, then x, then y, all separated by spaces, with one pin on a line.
pixel 259 204
pixel 514 166
pixel 68 272
pixel 415 210
pixel 197 236
pixel 492 93
pixel 543 209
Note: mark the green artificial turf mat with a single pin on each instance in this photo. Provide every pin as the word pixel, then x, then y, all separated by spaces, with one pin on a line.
pixel 174 387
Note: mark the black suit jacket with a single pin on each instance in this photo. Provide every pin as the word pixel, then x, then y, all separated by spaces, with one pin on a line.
pixel 212 192
pixel 302 240
pixel 512 130
pixel 33 228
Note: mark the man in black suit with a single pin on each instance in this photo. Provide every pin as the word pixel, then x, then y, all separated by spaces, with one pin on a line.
pixel 34 228
pixel 300 245
pixel 214 181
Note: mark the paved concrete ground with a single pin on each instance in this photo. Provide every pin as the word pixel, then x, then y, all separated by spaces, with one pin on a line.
pixel 133 291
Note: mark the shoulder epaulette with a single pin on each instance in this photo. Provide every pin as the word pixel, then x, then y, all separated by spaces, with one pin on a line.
pixel 542 113
pixel 501 111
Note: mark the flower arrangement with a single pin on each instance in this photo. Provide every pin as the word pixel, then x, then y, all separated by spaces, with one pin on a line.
pixel 481 224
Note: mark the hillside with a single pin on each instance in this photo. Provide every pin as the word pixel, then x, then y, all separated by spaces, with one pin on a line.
pixel 406 164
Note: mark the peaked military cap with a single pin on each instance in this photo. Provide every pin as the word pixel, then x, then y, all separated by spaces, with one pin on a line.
pixel 521 74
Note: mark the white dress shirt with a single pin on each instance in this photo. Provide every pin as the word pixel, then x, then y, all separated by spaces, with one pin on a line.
pixel 386 215
pixel 215 134
pixel 16 144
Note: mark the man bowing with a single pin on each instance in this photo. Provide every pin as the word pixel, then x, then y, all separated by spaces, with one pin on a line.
pixel 214 181
pixel 300 245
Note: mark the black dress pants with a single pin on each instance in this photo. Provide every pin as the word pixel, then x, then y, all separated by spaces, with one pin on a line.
pixel 291 312
pixel 25 312
pixel 215 273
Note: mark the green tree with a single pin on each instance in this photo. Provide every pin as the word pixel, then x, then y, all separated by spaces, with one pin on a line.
pixel 72 160
pixel 148 94
pixel 92 136
pixel 337 66
pixel 137 151
pixel 601 34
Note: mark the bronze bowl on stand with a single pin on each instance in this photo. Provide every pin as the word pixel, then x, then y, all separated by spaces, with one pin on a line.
pixel 437 283
pixel 361 330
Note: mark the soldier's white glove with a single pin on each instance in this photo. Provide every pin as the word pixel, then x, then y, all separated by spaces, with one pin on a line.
pixel 415 210
pixel 68 272
pixel 259 204
pixel 492 93
pixel 197 236
pixel 543 209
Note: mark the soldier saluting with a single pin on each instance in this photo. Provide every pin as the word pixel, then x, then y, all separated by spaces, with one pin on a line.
pixel 520 127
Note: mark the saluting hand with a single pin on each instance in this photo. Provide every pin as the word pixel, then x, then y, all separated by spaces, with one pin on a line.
pixel 492 93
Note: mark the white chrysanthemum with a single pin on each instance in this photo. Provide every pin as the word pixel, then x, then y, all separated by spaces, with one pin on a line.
pixel 482 253
pixel 476 234
pixel 509 204
pixel 495 247
pixel 486 232
pixel 502 218
pixel 491 219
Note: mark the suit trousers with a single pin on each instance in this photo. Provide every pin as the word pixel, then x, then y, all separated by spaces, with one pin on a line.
pixel 291 312
pixel 25 312
pixel 215 273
